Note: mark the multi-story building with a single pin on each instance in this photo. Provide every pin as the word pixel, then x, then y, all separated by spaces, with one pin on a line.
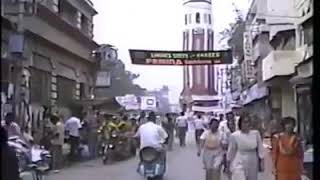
pixel 199 81
pixel 270 44
pixel 264 20
pixel 303 70
pixel 55 48
pixel 279 65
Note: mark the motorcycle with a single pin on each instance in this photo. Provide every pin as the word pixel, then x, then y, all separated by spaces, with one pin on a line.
pixel 152 164
pixel 33 160
pixel 116 148
pixel 102 142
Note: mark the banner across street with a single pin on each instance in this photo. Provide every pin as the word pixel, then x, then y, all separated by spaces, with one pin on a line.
pixel 180 58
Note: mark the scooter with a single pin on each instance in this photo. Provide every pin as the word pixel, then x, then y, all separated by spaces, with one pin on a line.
pixel 152 164
pixel 33 160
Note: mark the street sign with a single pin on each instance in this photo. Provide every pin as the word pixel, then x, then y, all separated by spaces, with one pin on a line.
pixel 148 103
pixel 180 58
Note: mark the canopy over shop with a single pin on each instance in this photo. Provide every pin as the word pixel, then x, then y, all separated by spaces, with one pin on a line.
pixel 103 105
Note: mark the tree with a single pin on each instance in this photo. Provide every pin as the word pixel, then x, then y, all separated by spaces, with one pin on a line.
pixel 228 32
pixel 122 82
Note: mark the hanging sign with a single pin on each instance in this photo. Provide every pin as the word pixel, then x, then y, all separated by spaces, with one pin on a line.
pixel 146 57
pixel 248 55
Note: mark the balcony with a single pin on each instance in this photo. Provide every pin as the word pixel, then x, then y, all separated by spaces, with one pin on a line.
pixel 280 63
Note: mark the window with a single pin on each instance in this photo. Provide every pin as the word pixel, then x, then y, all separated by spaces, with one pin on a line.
pixel 308 34
pixel 84 90
pixel 79 19
pixel 205 18
pixel 55 5
pixel 69 13
pixel 185 19
pixel 66 90
pixel 209 18
pixel 301 36
pixel 190 19
pixel 197 18
pixel 40 86
pixel 305 113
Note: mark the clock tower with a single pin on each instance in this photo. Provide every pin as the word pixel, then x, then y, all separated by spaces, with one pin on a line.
pixel 199 92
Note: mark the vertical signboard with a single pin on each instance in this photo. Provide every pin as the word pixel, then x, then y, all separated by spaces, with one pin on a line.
pixel 248 55
pixel 103 79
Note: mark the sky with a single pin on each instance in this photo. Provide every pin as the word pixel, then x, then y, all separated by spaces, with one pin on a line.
pixel 153 25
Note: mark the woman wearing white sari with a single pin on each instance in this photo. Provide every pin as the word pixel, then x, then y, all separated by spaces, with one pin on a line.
pixel 245 152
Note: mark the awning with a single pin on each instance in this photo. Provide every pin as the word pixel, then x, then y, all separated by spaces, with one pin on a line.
pixel 254 93
pixel 107 105
pixel 301 80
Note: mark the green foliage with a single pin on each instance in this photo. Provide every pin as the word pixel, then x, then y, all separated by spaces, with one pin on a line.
pixel 122 82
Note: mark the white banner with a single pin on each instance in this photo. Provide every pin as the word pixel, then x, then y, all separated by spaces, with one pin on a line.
pixel 128 101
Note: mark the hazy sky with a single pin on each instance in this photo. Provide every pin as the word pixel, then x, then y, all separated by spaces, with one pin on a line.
pixel 154 25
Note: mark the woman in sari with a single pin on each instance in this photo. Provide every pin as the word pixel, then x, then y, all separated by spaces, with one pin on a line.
pixel 287 152
pixel 210 142
pixel 245 154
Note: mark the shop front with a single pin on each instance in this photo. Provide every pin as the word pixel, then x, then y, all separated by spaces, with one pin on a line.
pixel 303 91
pixel 303 87
pixel 256 103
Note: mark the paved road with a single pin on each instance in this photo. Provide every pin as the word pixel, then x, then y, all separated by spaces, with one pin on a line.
pixel 183 164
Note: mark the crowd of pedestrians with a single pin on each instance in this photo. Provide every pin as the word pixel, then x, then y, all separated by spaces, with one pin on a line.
pixel 234 145
pixel 227 144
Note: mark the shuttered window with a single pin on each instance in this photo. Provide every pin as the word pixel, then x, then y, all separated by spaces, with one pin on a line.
pixel 66 90
pixel 40 86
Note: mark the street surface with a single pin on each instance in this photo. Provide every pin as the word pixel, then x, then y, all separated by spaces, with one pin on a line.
pixel 183 164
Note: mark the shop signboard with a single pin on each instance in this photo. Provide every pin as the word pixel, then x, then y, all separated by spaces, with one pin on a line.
pixel 248 55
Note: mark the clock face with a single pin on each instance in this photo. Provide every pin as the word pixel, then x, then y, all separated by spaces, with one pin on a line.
pixel 112 54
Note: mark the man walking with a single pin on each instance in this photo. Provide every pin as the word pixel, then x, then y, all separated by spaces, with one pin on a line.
pixel 169 127
pixel 226 128
pixel 57 142
pixel 142 118
pixel 182 127
pixel 72 127
pixel 11 126
pixel 199 129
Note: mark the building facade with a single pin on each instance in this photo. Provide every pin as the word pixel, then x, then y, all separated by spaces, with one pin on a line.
pixel 271 77
pixel 57 64
pixel 303 70
pixel 199 92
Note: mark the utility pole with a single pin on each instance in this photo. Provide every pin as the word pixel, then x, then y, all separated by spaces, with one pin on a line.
pixel 17 40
